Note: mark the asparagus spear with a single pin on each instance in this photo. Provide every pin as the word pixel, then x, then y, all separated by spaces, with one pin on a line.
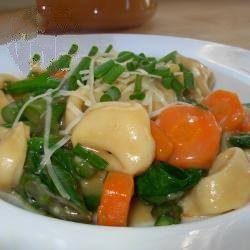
pixel 54 205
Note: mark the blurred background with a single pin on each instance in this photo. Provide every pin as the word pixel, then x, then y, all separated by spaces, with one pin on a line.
pixel 224 21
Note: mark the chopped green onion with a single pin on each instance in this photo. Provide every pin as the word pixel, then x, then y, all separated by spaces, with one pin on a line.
pixel 73 49
pixel 10 111
pixel 188 77
pixel 41 82
pixel 172 83
pixel 163 72
pixel 149 67
pixel 90 157
pixel 93 51
pixel 169 57
pixel 188 80
pixel 83 65
pixel 83 168
pixel 36 58
pixel 164 220
pixel 138 94
pixel 109 48
pixel 102 69
pixel 111 76
pixel 132 66
pixel 124 56
pixel 61 63
pixel 240 140
pixel 112 94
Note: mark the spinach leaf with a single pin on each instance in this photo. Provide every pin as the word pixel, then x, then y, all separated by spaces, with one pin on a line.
pixel 162 180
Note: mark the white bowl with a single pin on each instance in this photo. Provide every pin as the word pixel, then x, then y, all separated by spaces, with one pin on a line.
pixel 20 229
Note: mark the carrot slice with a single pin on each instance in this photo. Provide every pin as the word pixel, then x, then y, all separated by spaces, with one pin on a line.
pixel 226 107
pixel 163 143
pixel 194 133
pixel 114 206
pixel 60 74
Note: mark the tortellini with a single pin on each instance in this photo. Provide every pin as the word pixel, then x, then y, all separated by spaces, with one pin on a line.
pixel 204 79
pixel 6 78
pixel 226 187
pixel 13 147
pixel 75 104
pixel 120 128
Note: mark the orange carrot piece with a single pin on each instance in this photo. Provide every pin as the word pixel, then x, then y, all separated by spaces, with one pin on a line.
pixel 163 143
pixel 227 109
pixel 60 74
pixel 194 133
pixel 115 201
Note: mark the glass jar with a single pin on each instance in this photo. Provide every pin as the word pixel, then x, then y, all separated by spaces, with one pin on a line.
pixel 60 16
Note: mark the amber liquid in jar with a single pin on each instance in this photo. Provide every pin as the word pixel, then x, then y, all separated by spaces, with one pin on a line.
pixel 60 16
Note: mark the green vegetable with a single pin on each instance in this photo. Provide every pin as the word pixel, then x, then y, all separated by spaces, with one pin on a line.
pixel 53 205
pixel 240 140
pixel 161 180
pixel 10 111
pixel 166 214
pixel 138 94
pixel 169 57
pixel 35 111
pixel 188 77
pixel 36 58
pixel 124 56
pixel 104 68
pixel 172 83
pixel 40 83
pixel 163 72
pixel 111 76
pixel 149 67
pixel 93 51
pixel 69 184
pixel 112 94
pixel 92 202
pixel 90 157
pixel 75 76
pixel 73 49
pixel 109 48
pixel 132 66
pixel 58 109
pixel 63 61
pixel 83 168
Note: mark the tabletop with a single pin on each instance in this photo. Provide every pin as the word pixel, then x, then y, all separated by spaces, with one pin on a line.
pixel 223 21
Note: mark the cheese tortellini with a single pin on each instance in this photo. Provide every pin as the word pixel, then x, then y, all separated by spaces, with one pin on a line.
pixel 13 147
pixel 226 187
pixel 122 129
pixel 204 79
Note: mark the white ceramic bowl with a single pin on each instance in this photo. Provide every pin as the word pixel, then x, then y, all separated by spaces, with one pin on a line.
pixel 22 230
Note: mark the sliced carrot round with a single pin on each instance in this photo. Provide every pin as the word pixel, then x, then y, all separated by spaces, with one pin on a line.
pixel 226 107
pixel 194 133
pixel 163 143
pixel 115 201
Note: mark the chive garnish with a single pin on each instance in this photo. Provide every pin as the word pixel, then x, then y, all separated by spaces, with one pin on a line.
pixel 112 94
pixel 138 93
pixel 93 51
pixel 90 157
